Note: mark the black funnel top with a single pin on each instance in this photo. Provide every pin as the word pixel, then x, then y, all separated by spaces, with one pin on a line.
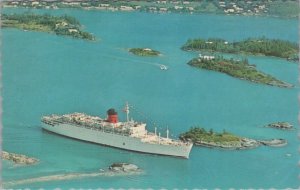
pixel 111 111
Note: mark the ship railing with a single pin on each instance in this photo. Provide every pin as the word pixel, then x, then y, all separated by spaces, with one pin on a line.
pixel 106 129
pixel 48 122
pixel 75 118
pixel 172 142
pixel 92 126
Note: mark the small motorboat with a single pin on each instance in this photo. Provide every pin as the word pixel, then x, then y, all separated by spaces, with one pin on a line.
pixel 163 67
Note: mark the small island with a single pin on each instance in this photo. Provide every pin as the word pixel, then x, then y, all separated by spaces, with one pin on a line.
pixel 144 52
pixel 238 69
pixel 18 158
pixel 59 25
pixel 252 46
pixel 123 167
pixel 280 125
pixel 201 137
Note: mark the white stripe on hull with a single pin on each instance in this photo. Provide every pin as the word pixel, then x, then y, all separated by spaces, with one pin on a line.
pixel 119 141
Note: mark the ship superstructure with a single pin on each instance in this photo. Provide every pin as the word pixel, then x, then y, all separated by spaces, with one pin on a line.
pixel 129 135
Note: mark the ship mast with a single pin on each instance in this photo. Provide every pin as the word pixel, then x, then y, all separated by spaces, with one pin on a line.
pixel 167 132
pixel 158 138
pixel 126 110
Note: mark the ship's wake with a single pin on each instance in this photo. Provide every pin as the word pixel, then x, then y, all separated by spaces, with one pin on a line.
pixel 68 176
pixel 161 66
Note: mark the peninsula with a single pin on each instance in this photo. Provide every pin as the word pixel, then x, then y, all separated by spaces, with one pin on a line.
pixel 201 137
pixel 18 158
pixel 238 69
pixel 144 52
pixel 59 25
pixel 251 46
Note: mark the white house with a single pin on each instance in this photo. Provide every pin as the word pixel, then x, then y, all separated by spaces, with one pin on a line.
pixel 206 57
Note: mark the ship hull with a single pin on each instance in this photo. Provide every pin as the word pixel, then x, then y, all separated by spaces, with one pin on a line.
pixel 118 141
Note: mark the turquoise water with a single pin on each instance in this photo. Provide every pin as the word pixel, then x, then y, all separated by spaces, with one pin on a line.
pixel 45 74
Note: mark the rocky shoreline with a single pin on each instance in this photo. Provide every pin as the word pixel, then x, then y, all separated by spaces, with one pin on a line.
pixel 123 167
pixel 18 158
pixel 244 143
pixel 274 142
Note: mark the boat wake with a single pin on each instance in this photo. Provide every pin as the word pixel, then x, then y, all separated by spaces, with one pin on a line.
pixel 161 66
pixel 68 176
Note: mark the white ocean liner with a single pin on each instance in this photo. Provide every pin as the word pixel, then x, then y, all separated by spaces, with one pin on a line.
pixel 128 135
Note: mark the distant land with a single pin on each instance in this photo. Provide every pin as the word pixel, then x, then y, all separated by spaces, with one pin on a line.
pixel 252 46
pixel 59 25
pixel 238 69
pixel 276 8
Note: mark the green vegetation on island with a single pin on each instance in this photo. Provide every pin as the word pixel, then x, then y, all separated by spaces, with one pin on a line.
pixel 59 25
pixel 200 134
pixel 238 69
pixel 144 52
pixel 284 9
pixel 201 137
pixel 254 46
